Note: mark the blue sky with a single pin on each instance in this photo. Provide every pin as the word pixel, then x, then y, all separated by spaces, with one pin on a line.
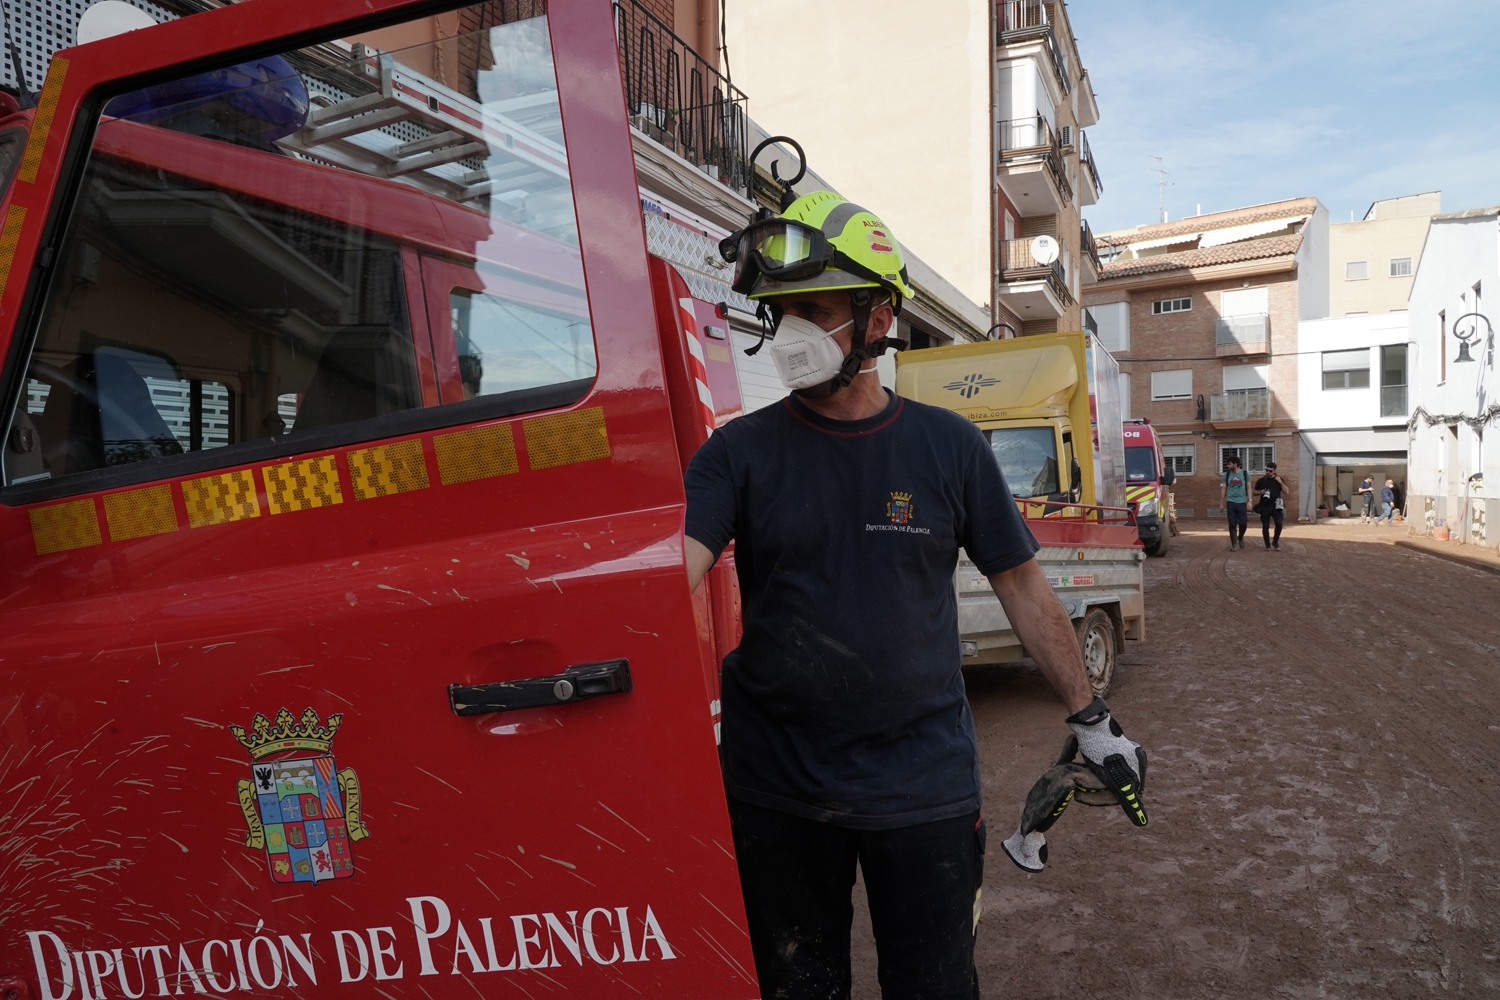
pixel 1346 100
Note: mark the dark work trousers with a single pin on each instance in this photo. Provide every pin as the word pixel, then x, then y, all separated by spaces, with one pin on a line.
pixel 1278 516
pixel 1239 518
pixel 922 883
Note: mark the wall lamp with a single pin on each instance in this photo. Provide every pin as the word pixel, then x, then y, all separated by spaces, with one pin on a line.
pixel 1471 334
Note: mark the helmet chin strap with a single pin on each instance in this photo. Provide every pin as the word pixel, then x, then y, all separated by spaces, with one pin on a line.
pixel 861 305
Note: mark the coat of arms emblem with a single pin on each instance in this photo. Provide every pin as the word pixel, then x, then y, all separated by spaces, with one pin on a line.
pixel 297 806
pixel 900 509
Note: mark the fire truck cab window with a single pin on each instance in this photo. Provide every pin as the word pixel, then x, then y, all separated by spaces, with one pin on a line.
pixel 505 345
pixel 237 272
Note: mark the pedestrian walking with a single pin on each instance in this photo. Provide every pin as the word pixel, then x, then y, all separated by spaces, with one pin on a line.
pixel 1366 495
pixel 1234 497
pixel 1388 503
pixel 1270 505
pixel 847 738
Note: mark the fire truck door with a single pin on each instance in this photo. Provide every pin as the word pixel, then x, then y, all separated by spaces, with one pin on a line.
pixel 343 618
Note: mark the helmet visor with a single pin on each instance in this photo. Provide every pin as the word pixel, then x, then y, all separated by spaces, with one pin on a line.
pixel 779 248
pixel 783 245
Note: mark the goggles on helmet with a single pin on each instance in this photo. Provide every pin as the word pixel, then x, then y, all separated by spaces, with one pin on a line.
pixel 786 250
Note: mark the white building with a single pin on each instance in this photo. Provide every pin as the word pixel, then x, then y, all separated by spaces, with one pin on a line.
pixel 1352 405
pixel 1456 391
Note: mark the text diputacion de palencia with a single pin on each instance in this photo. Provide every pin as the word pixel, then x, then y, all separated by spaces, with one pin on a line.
pixel 265 961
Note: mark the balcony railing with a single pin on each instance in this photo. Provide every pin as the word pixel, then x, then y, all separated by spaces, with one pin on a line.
pixel 1393 401
pixel 1243 404
pixel 1032 137
pixel 1086 159
pixel 1086 243
pixel 677 97
pixel 1023 19
pixel 1017 264
pixel 1239 330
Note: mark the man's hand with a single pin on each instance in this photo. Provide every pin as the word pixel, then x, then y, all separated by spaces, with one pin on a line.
pixel 1116 759
pixel 699 562
pixel 1044 629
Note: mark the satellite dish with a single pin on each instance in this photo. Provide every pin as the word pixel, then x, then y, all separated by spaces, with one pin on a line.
pixel 1044 249
pixel 109 18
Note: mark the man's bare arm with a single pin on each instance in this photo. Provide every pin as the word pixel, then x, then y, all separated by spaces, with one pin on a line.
pixel 699 562
pixel 1042 624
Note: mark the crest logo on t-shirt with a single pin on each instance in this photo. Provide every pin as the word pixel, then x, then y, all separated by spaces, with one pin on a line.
pixel 900 510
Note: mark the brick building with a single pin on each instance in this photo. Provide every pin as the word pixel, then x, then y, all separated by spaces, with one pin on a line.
pixel 1202 315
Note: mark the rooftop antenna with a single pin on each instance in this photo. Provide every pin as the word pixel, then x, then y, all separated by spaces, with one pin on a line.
pixel 24 97
pixel 1161 188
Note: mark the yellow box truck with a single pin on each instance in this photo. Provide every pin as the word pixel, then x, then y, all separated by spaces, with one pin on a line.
pixel 1049 405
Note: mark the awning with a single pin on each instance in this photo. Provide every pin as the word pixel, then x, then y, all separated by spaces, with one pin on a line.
pixel 1382 459
pixel 1355 441
pixel 1233 234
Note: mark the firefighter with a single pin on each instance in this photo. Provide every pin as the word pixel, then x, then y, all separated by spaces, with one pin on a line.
pixel 846 735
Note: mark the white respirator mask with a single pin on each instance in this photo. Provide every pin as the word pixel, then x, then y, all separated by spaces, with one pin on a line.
pixel 806 355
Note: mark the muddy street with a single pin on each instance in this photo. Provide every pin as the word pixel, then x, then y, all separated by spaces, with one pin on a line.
pixel 1324 730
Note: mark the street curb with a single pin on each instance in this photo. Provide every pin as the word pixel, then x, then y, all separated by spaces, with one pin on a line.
pixel 1462 560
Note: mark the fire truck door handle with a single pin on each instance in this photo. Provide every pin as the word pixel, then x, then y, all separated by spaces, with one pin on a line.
pixel 577 683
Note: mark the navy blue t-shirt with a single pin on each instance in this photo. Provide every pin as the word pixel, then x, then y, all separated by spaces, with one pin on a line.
pixel 845 701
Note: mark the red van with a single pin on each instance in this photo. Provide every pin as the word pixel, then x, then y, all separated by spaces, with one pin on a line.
pixel 346 422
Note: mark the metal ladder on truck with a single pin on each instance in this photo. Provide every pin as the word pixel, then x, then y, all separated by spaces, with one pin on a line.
pixel 384 119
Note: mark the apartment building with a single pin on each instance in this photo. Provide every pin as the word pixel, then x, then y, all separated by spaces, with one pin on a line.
pixel 1046 173
pixel 1455 421
pixel 963 126
pixel 1353 405
pixel 1373 261
pixel 1202 315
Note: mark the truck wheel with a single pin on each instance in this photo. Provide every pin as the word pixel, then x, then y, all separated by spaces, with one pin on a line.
pixel 1162 546
pixel 1096 638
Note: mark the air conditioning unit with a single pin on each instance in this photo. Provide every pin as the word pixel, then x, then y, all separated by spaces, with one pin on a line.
pixel 1066 134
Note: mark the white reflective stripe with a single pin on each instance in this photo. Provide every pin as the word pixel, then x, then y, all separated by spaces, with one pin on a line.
pixel 705 396
pixel 695 348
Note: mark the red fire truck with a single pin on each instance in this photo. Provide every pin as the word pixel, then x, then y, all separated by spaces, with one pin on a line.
pixel 346 422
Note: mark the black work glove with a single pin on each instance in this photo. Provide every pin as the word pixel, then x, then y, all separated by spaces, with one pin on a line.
pixel 1115 759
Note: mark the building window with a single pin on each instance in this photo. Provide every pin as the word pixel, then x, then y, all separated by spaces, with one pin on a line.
pixel 1253 457
pixel 1401 267
pixel 1247 378
pixel 1112 320
pixel 1356 270
pixel 1443 344
pixel 1393 380
pixel 1182 459
pixel 1346 369
pixel 1125 413
pixel 1171 306
pixel 1172 385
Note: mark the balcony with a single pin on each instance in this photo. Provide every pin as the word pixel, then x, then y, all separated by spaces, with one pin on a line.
pixel 1393 401
pixel 1090 188
pixel 1241 410
pixel 1088 253
pixel 1029 289
pixel 1240 335
pixel 677 98
pixel 1027 20
pixel 1031 166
